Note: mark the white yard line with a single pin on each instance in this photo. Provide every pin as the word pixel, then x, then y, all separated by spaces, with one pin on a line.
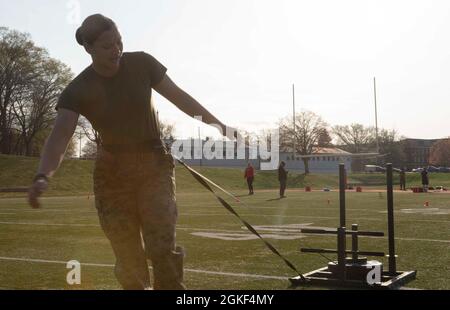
pixel 221 214
pixel 97 225
pixel 414 239
pixel 204 229
pixel 48 210
pixel 310 216
pixel 36 260
pixel 396 238
pixel 220 273
pixel 49 224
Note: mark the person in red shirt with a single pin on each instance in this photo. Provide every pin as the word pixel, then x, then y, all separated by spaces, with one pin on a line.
pixel 249 175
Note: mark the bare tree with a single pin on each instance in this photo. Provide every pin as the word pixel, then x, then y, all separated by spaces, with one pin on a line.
pixel 440 153
pixel 90 149
pixel 324 139
pixel 264 135
pixel 71 150
pixel 30 83
pixel 34 111
pixel 94 139
pixel 17 54
pixel 308 128
pixel 89 132
pixel 355 137
pixel 391 148
pixel 167 132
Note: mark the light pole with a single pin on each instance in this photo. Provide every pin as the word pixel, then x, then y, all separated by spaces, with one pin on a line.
pixel 293 121
pixel 376 114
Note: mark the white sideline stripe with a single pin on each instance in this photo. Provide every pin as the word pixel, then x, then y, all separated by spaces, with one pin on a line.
pixel 219 214
pixel 97 225
pixel 207 229
pixel 220 273
pixel 398 238
pixel 35 260
pixel 309 216
pixel 232 274
pixel 50 224
pixel 413 239
pixel 215 213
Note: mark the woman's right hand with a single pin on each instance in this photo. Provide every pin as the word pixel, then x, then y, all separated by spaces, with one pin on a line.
pixel 53 153
pixel 36 190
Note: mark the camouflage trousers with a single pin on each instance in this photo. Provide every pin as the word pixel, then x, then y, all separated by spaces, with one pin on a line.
pixel 136 204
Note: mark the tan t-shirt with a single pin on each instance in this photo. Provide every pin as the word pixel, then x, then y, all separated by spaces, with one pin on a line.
pixel 119 107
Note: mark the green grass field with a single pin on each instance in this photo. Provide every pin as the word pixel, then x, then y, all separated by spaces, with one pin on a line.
pixel 36 244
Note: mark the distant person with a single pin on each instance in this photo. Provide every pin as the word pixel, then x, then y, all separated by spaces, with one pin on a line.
pixel 249 176
pixel 425 180
pixel 402 180
pixel 282 177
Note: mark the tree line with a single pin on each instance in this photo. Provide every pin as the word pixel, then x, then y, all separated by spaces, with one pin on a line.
pixel 30 85
pixel 31 82
pixel 311 132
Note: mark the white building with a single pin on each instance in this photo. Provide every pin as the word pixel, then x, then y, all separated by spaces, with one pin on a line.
pixel 323 160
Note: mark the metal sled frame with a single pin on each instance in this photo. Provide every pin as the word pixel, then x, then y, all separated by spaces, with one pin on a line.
pixel 338 275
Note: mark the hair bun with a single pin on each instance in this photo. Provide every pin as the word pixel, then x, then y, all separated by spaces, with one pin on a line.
pixel 79 36
pixel 92 27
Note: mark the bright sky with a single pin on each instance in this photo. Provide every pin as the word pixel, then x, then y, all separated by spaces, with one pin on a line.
pixel 239 58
